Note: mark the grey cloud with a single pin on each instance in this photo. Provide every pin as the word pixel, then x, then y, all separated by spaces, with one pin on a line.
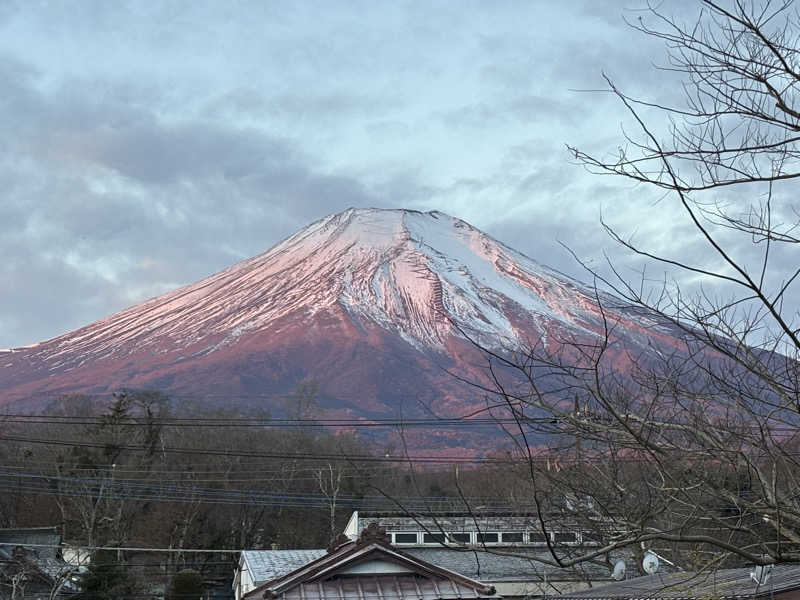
pixel 242 101
pixel 527 109
pixel 469 116
pixel 198 141
pixel 311 196
pixel 535 108
pixel 156 153
pixel 107 203
pixel 29 309
pixel 252 103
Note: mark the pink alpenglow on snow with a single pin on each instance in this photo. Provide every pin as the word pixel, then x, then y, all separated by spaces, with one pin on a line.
pixel 374 305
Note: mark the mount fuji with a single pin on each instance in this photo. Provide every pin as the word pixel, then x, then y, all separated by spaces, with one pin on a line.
pixel 378 307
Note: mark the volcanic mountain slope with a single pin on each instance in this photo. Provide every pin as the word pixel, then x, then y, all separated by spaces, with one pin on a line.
pixel 371 304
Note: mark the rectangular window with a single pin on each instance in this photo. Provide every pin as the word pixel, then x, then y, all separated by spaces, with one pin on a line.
pixel 565 537
pixel 405 538
pixel 461 538
pixel 536 537
pixel 512 537
pixel 488 538
pixel 433 538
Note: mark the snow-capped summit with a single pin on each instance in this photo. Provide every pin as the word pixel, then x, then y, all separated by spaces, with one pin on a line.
pixel 369 302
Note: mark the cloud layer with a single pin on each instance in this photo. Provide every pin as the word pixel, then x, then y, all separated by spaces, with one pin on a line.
pixel 147 146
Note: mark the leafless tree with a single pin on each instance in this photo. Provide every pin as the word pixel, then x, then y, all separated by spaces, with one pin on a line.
pixel 695 449
pixel 329 479
pixel 88 477
pixel 692 447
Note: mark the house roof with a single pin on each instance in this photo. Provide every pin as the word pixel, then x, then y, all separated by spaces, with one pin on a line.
pixel 371 569
pixel 722 584
pixel 41 545
pixel 44 541
pixel 265 565
pixel 383 587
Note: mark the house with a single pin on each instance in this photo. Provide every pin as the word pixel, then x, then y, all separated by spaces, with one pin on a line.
pixel 502 550
pixel 779 582
pixel 370 568
pixel 31 565
pixel 493 529
pixel 507 549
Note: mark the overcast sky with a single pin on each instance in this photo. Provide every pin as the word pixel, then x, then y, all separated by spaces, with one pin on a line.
pixel 148 144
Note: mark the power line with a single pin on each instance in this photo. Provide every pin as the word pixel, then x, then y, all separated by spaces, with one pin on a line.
pixel 508 460
pixel 238 469
pixel 256 500
pixel 135 549
pixel 122 490
pixel 468 421
pixel 189 490
pixel 353 458
pixel 256 422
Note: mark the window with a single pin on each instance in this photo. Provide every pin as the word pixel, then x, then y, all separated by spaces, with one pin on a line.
pixel 405 538
pixel 461 538
pixel 433 538
pixel 565 537
pixel 512 537
pixel 536 537
pixel 488 538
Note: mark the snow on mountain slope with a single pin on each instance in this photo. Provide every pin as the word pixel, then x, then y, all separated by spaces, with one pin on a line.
pixel 377 282
pixel 410 272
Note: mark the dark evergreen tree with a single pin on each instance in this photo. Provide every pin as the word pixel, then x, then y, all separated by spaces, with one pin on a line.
pixel 107 578
pixel 186 585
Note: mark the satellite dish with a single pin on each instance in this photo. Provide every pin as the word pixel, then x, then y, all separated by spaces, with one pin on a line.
pixel 650 563
pixel 619 570
pixel 760 574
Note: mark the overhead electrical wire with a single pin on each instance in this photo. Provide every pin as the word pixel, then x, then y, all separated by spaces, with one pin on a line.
pixel 121 491
pixel 154 476
pixel 257 422
pixel 238 469
pixel 162 486
pixel 468 421
pixel 509 459
pixel 353 458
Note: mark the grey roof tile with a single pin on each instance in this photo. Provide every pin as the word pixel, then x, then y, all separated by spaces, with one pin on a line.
pixel 265 565
pixel 384 587
pixel 44 541
pixel 724 583
pixel 488 566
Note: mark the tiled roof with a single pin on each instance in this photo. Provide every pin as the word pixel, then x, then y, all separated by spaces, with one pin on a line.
pixel 721 584
pixel 44 541
pixel 371 569
pixel 265 565
pixel 41 546
pixel 384 587
pixel 488 566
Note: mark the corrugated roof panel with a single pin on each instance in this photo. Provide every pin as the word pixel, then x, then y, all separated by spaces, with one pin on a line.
pixel 382 587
